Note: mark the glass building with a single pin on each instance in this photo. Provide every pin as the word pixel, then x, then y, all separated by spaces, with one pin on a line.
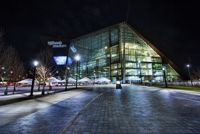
pixel 118 52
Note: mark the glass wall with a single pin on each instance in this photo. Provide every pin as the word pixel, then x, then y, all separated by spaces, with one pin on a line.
pixel 117 52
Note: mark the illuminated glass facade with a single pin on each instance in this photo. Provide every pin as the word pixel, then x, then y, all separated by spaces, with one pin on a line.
pixel 118 52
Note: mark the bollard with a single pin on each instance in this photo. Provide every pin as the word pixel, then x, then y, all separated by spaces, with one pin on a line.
pixel 118 85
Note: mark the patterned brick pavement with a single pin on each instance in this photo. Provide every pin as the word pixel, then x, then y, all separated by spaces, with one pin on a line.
pixel 132 110
pixel 50 120
pixel 137 111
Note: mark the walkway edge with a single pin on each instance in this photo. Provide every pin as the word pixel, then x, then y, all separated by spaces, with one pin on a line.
pixel 76 116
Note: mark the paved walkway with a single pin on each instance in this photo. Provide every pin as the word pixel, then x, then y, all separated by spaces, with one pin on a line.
pixel 134 109
pixel 23 93
pixel 20 90
pixel 11 112
pixel 137 110
pixel 49 120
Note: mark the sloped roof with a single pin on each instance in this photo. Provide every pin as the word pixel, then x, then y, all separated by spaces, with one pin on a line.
pixel 164 58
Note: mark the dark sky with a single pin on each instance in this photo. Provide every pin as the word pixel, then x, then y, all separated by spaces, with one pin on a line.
pixel 173 27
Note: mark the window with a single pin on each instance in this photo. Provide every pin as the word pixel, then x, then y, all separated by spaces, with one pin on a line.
pixel 131 65
pixel 114 36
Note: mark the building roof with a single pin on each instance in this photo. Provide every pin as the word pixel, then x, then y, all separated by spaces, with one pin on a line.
pixel 164 58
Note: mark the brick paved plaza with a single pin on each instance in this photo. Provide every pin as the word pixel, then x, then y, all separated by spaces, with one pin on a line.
pixel 134 109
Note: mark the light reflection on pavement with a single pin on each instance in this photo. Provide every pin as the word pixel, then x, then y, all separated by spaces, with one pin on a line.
pixel 134 109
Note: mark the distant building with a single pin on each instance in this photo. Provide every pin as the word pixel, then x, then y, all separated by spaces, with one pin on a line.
pixel 119 52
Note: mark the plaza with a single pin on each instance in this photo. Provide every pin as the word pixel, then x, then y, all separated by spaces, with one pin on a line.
pixel 105 110
pixel 99 67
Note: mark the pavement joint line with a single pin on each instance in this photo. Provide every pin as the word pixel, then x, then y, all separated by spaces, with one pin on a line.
pixel 76 116
pixel 187 99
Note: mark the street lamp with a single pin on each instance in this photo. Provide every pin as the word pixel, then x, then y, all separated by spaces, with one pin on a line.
pixel 57 72
pixel 67 77
pixel 77 58
pixel 139 63
pixel 3 68
pixel 8 81
pixel 164 76
pixel 188 67
pixel 6 90
pixel 94 77
pixel 13 81
pixel 11 72
pixel 35 64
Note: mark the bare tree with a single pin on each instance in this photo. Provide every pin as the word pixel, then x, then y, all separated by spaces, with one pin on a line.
pixel 1 40
pixel 46 67
pixel 16 72
pixel 1 47
pixel 13 66
pixel 196 74
pixel 42 76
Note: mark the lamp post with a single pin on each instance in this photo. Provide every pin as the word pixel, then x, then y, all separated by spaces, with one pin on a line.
pixel 188 67
pixel 139 63
pixel 66 78
pixel 2 72
pixel 77 58
pixel 35 64
pixel 94 77
pixel 57 73
pixel 8 81
pixel 164 76
pixel 13 81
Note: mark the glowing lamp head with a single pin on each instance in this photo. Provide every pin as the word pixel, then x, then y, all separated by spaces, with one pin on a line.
pixel 188 65
pixel 35 63
pixel 163 69
pixel 139 61
pixel 77 57
pixel 118 82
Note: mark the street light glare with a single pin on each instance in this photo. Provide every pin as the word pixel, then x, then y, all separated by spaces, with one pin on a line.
pixel 188 65
pixel 77 57
pixel 35 63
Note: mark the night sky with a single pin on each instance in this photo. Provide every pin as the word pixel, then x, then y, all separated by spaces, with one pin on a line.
pixel 173 27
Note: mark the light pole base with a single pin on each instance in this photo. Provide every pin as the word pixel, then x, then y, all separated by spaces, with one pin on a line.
pixel 118 85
